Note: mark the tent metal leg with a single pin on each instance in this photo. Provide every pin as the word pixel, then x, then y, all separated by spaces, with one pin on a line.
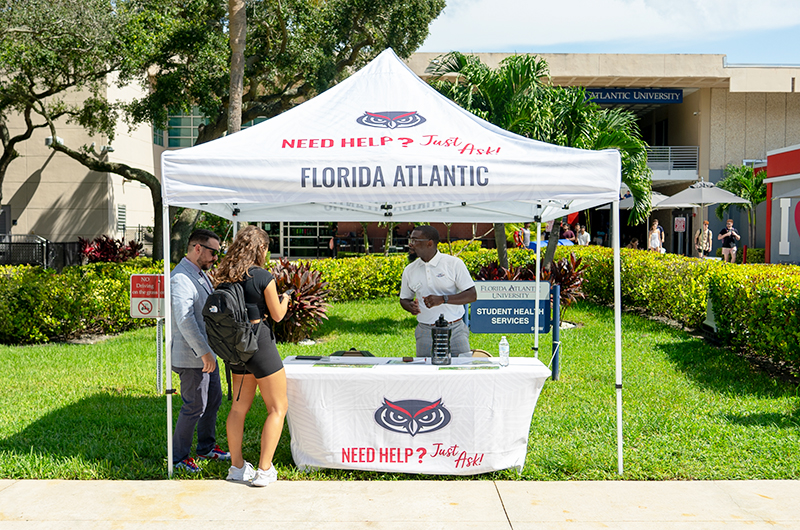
pixel 538 279
pixel 617 330
pixel 167 334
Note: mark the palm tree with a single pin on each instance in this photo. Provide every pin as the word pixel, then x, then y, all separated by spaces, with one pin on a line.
pixel 516 97
pixel 749 185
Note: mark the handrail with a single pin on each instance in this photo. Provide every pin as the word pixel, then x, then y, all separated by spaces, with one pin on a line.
pixel 669 157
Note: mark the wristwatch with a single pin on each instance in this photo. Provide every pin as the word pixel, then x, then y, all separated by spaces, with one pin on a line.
pixel 445 298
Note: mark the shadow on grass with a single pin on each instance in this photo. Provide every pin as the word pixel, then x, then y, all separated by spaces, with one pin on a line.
pixel 104 436
pixel 766 419
pixel 112 436
pixel 722 371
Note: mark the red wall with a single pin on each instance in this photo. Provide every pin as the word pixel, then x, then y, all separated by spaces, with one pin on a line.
pixel 786 163
pixel 778 165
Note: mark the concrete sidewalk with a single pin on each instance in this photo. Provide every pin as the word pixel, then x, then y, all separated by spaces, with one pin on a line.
pixel 403 505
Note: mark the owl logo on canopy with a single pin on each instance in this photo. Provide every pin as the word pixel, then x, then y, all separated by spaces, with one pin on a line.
pixel 391 120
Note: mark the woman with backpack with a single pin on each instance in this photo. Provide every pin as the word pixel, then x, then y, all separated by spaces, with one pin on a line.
pixel 244 263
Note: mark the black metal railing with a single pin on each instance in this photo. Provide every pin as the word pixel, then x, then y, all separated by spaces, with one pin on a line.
pixel 36 250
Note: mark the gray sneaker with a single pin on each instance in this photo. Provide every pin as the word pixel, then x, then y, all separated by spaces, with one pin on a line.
pixel 243 474
pixel 264 478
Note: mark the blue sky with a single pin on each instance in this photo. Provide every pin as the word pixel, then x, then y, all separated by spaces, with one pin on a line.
pixel 747 31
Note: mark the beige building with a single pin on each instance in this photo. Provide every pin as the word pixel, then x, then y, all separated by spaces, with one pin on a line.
pixel 47 194
pixel 727 114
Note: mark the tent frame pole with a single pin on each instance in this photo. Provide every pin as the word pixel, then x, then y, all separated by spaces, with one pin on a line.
pixel 538 279
pixel 617 330
pixel 167 331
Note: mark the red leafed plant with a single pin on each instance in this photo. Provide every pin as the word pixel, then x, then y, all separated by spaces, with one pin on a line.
pixel 309 302
pixel 105 249
pixel 494 272
pixel 567 272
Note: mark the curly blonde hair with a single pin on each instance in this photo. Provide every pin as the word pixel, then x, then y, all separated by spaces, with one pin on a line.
pixel 249 249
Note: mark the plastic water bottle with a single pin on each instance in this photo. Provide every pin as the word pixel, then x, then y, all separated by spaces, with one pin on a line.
pixel 503 351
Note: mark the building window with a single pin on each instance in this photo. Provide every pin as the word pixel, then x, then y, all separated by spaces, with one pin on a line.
pixel 182 127
pixel 253 122
pixel 5 220
pixel 122 218
pixel 158 136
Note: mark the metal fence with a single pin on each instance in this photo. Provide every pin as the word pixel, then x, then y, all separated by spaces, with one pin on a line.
pixel 35 250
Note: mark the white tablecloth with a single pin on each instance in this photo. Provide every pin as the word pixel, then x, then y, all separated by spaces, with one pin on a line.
pixel 380 414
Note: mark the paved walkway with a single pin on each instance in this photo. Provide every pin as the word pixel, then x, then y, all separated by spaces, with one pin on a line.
pixel 403 505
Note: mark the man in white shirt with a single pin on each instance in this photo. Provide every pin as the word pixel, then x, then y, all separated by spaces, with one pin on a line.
pixel 583 235
pixel 443 284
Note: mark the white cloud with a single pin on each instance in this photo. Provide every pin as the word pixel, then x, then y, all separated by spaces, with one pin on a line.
pixel 508 25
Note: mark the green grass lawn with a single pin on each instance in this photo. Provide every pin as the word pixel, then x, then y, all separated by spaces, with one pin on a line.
pixel 691 411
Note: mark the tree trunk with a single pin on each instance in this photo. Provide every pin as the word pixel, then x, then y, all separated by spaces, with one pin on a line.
pixel 500 242
pixel 237 17
pixel 552 243
pixel 180 232
pixel 91 160
pixel 10 143
pixel 366 237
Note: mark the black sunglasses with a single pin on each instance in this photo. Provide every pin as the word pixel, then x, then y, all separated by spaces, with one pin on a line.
pixel 214 251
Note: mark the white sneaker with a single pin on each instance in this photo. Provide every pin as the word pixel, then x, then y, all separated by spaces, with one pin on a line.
pixel 243 474
pixel 264 478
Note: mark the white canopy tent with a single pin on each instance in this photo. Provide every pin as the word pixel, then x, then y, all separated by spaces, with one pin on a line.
pixel 383 145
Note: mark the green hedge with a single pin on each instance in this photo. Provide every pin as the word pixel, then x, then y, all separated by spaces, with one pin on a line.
pixel 362 278
pixel 756 307
pixel 39 304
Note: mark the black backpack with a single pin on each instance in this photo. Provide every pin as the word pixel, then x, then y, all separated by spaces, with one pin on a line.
pixel 230 334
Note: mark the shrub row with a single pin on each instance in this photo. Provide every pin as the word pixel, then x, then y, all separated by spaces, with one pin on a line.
pixel 39 304
pixel 362 278
pixel 756 307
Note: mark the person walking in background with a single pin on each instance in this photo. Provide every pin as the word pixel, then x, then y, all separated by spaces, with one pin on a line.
pixel 244 263
pixel 654 238
pixel 702 240
pixel 526 235
pixel 192 357
pixel 568 234
pixel 729 237
pixel 633 243
pixel 583 236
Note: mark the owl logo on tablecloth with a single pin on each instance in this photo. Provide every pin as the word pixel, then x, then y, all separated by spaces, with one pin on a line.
pixel 391 120
pixel 412 416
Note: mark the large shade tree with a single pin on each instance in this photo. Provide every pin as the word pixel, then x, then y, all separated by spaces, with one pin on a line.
pixel 517 97
pixel 179 52
pixel 294 50
pixel 48 51
pixel 56 60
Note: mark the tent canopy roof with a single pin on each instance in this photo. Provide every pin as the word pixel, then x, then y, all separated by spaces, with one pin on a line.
pixel 383 145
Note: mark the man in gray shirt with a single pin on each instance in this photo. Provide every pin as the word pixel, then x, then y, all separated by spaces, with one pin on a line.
pixel 192 357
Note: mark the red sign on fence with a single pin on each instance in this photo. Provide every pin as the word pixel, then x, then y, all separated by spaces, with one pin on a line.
pixel 147 295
